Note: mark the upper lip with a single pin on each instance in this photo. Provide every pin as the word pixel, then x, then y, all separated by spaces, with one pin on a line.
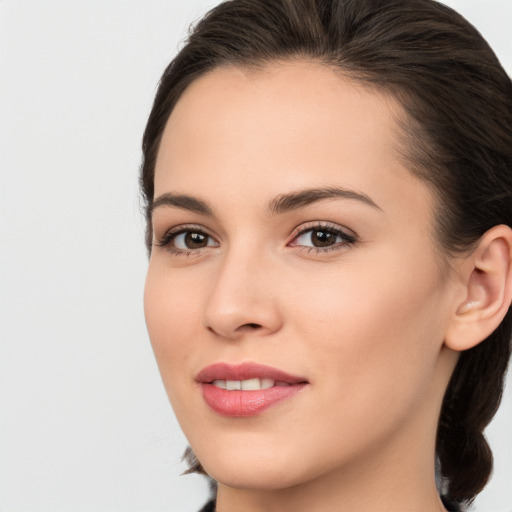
pixel 245 371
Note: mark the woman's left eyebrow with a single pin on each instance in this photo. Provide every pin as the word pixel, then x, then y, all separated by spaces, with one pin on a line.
pixel 295 200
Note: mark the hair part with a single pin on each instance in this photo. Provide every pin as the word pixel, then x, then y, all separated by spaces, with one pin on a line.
pixel 456 136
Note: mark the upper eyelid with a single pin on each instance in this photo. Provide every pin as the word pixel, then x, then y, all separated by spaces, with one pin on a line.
pixel 307 226
pixel 183 228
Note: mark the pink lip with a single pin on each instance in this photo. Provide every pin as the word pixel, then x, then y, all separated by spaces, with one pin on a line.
pixel 244 371
pixel 246 403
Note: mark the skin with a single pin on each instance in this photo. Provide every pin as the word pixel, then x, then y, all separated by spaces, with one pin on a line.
pixel 364 322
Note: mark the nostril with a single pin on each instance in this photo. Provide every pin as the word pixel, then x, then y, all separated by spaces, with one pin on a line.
pixel 244 327
pixel 252 326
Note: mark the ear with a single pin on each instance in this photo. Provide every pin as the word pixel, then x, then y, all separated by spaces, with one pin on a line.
pixel 486 277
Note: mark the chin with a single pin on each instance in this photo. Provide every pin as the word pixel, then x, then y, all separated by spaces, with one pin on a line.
pixel 266 478
pixel 264 469
pixel 247 468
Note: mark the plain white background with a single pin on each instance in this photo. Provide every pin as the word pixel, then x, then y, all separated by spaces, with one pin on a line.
pixel 84 421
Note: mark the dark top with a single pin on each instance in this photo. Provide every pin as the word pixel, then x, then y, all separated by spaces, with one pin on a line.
pixel 209 507
pixel 451 506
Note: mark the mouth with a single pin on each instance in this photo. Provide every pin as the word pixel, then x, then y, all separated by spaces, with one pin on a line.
pixel 249 374
pixel 246 389
pixel 248 384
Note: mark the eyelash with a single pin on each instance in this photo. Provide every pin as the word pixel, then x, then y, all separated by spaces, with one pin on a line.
pixel 347 239
pixel 172 234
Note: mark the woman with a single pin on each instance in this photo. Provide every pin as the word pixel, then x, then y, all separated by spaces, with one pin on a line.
pixel 328 190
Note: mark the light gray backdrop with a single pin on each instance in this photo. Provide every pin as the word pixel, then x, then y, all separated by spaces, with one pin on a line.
pixel 84 421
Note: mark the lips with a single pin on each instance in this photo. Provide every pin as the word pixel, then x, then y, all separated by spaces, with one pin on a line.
pixel 246 389
pixel 245 371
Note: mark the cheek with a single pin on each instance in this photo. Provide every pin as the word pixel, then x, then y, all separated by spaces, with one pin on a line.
pixel 377 326
pixel 172 312
pixel 371 339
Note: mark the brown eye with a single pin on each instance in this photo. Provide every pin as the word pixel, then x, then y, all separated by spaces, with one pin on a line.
pixel 193 240
pixel 187 241
pixel 322 238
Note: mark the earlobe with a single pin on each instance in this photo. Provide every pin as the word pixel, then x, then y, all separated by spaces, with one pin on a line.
pixel 487 280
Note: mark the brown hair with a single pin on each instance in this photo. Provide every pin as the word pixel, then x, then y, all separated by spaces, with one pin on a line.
pixel 458 137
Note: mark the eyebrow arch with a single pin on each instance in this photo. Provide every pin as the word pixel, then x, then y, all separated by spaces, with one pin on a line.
pixel 295 200
pixel 180 201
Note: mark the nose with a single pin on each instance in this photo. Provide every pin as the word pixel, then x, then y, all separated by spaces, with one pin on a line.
pixel 243 298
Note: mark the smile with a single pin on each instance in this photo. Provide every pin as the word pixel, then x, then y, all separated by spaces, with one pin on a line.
pixel 246 389
pixel 248 384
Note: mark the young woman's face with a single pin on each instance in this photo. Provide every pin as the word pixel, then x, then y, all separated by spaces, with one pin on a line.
pixel 289 234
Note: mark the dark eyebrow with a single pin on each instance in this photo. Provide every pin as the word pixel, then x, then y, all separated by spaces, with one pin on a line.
pixel 180 201
pixel 294 200
pixel 280 204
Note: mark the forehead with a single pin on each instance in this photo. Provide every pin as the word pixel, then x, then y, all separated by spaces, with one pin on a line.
pixel 276 108
pixel 285 126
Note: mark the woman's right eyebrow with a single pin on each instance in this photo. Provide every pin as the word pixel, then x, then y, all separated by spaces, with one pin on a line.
pixel 182 201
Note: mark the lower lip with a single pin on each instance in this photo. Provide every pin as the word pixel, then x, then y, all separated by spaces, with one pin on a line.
pixel 246 403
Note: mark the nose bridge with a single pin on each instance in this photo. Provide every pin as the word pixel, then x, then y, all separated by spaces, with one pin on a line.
pixel 241 297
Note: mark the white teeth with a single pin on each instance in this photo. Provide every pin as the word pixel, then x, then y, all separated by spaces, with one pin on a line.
pixel 267 383
pixel 251 384
pixel 246 385
pixel 233 385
